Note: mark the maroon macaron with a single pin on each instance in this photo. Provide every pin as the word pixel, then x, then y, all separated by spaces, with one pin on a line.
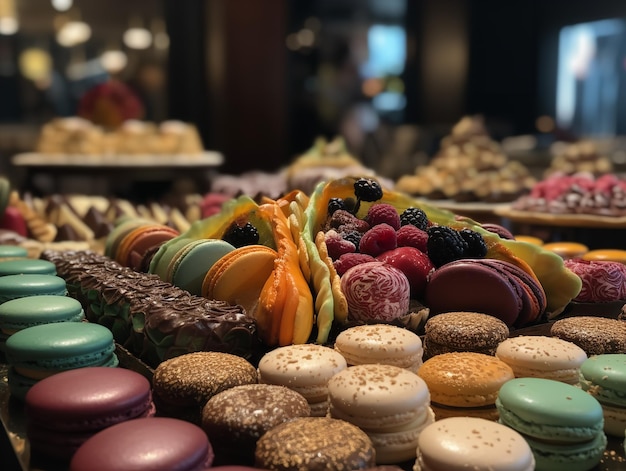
pixel 65 409
pixel 146 444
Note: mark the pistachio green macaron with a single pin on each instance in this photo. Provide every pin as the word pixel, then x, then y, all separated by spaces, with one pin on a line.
pixel 27 266
pixel 19 286
pixel 12 251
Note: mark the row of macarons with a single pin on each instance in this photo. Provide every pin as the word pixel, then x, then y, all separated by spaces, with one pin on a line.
pixel 303 396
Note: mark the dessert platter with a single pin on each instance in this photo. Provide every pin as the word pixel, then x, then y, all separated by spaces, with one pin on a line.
pixel 341 293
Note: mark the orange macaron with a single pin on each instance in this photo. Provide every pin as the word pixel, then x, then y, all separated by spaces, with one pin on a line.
pixel 567 249
pixel 611 255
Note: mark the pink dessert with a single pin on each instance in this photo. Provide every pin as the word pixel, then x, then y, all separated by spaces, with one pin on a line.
pixel 376 291
pixel 603 281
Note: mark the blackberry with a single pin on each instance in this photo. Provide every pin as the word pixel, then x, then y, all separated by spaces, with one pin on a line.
pixel 352 236
pixel 334 204
pixel 444 245
pixel 476 246
pixel 414 216
pixel 238 236
pixel 366 189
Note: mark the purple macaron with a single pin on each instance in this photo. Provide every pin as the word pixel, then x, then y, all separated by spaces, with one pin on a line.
pixel 65 409
pixel 146 444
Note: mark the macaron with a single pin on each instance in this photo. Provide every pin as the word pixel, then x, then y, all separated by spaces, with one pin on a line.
pixel 305 368
pixel 43 350
pixel 19 286
pixel 146 444
pixel 473 443
pixel 567 249
pixel 542 357
pixel 160 261
pixel 183 385
pixel 514 296
pixel 8 252
pixel 604 377
pixel 190 264
pixel 611 255
pixel 390 404
pixel 528 239
pixel 595 335
pixel 239 276
pixel 133 246
pixel 380 343
pixel 64 410
pixel 465 384
pixel 562 423
pixel 20 313
pixel 315 443
pixel 27 266
pixel 236 418
pixel 463 332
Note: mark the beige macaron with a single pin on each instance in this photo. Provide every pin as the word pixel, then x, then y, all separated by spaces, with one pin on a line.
pixel 389 403
pixel 380 343
pixel 306 369
pixel 542 357
pixel 465 383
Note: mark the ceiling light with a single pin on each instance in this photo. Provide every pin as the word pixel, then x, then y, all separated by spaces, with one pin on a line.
pixel 35 64
pixel 113 61
pixel 62 5
pixel 9 25
pixel 73 33
pixel 137 38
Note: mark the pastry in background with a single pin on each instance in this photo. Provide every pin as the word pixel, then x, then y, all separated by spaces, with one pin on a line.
pixel 72 135
pixel 470 166
pixel 178 137
pixel 582 156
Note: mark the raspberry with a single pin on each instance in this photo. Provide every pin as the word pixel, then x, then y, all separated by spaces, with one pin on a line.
pixel 411 236
pixel 349 260
pixel 444 245
pixel 415 217
pixel 476 246
pixel 336 245
pixel 383 213
pixel 378 239
pixel 344 221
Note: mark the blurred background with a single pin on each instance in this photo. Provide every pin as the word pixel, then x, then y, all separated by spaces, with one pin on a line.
pixel 262 79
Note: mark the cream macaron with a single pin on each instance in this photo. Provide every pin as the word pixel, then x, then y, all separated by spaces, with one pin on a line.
pixel 389 403
pixel 542 357
pixel 304 368
pixel 472 443
pixel 380 343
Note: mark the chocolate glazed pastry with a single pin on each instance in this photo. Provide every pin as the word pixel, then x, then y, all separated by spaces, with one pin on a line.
pixel 153 319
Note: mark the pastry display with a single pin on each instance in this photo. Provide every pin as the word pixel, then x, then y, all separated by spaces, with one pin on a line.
pixel 465 384
pixel 470 166
pixel 581 156
pixel 392 407
pixel 562 424
pixel 457 442
pixel 538 356
pixel 66 409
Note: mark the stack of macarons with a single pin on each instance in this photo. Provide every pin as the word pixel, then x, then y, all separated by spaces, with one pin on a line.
pixel 487 286
pixel 604 377
pixel 390 404
pixel 34 353
pixel 465 384
pixel 562 423
pixel 306 369
pixel 66 409
pixel 380 343
pixel 20 313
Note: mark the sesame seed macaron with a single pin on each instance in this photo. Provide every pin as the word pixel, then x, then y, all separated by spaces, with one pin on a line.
pixel 183 385
pixel 236 418
pixel 316 444
pixel 595 335
pixel 390 404
pixel 539 356
pixel 465 384
pixel 380 343
pixel 305 368
pixel 463 332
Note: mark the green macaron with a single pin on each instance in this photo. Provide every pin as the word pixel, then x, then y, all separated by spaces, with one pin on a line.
pixel 19 286
pixel 27 266
pixel 562 424
pixel 19 313
pixel 12 251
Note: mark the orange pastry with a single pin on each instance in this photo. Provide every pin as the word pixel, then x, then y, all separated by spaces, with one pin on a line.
pixel 567 249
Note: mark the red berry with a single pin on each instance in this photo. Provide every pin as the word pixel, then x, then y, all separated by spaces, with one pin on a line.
pixel 383 213
pixel 378 239
pixel 345 221
pixel 415 265
pixel 349 260
pixel 411 236
pixel 337 245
